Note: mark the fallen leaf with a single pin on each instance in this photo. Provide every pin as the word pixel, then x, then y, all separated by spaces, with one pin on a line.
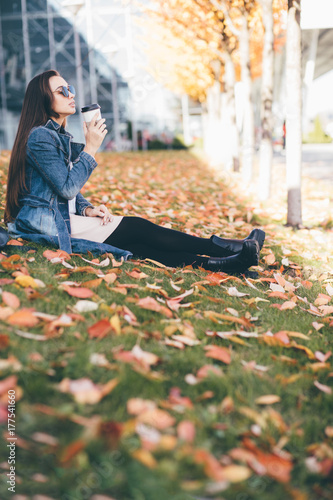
pixel 288 305
pixel 7 383
pixel 329 431
pixel 79 292
pixel 59 254
pixel 115 324
pixel 317 326
pixel 99 329
pixel 233 292
pixel 71 450
pixel 26 281
pixel 220 353
pixel 85 391
pixel 10 300
pixel 269 259
pixel 152 305
pixel 159 419
pixel 275 466
pixel 145 457
pixel 321 356
pixel 212 468
pixel 23 317
pixel 85 306
pixel 268 399
pixel 322 387
pixel 186 431
pixel 236 473
pixel 136 406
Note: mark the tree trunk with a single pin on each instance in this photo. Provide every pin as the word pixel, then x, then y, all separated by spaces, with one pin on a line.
pixel 231 135
pixel 212 125
pixel 294 114
pixel 266 143
pixel 248 121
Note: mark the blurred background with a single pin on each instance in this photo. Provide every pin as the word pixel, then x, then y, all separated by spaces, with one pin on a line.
pixel 159 69
pixel 95 46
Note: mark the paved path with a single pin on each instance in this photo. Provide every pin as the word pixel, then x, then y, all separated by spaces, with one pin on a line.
pixel 317 161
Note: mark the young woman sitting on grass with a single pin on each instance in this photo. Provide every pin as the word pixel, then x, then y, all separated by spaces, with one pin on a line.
pixel 47 170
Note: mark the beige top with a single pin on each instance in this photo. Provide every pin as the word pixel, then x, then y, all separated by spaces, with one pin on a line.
pixel 90 228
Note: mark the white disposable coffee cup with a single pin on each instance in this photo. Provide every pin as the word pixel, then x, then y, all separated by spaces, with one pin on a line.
pixel 89 112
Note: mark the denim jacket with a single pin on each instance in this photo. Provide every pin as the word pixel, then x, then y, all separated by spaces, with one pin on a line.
pixel 43 216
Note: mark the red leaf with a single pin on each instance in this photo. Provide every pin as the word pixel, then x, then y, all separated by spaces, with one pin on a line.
pixel 80 292
pixel 60 254
pixel 186 430
pixel 100 329
pixel 152 305
pixel 276 466
pixel 207 370
pixel 220 353
pixel 10 300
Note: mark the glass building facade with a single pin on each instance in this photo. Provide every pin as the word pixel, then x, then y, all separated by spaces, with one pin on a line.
pixel 36 35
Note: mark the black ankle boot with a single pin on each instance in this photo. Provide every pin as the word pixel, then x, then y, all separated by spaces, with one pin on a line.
pixel 228 247
pixel 247 257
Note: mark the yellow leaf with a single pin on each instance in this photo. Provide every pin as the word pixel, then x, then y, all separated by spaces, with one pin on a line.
pixel 297 334
pixel 145 457
pixel 236 473
pixel 115 323
pixel 168 442
pixel 26 281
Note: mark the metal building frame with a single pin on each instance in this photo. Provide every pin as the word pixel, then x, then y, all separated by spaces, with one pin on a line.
pixel 87 69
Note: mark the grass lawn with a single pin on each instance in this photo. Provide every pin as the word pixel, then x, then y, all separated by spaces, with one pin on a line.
pixel 134 381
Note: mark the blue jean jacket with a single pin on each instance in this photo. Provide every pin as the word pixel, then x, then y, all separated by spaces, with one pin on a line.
pixel 43 216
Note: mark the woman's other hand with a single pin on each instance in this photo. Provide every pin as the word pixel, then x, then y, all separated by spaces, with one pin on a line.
pixel 100 211
pixel 94 134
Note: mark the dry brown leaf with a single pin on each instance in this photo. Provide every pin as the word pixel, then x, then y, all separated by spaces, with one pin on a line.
pixel 145 457
pixel 23 317
pixel 322 387
pixel 79 292
pixel 159 419
pixel 10 300
pixel 99 329
pixel 152 305
pixel 135 406
pixel 268 399
pixel 269 259
pixel 322 357
pixel 220 353
pixel 186 431
pixel 85 391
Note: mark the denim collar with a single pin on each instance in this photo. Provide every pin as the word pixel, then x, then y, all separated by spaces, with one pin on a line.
pixel 51 124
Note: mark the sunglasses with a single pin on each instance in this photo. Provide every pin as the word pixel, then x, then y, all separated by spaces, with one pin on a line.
pixel 66 90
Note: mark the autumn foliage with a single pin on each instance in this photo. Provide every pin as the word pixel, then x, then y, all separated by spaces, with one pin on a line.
pixel 180 381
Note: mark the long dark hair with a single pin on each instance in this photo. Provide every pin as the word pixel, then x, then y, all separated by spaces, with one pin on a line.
pixel 36 110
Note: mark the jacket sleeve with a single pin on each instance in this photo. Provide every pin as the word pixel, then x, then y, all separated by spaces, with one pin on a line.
pixel 82 204
pixel 47 155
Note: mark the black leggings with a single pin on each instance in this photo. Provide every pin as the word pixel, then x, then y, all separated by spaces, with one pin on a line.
pixel 172 248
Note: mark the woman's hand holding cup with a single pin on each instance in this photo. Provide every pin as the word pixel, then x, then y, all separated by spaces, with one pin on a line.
pixel 95 133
